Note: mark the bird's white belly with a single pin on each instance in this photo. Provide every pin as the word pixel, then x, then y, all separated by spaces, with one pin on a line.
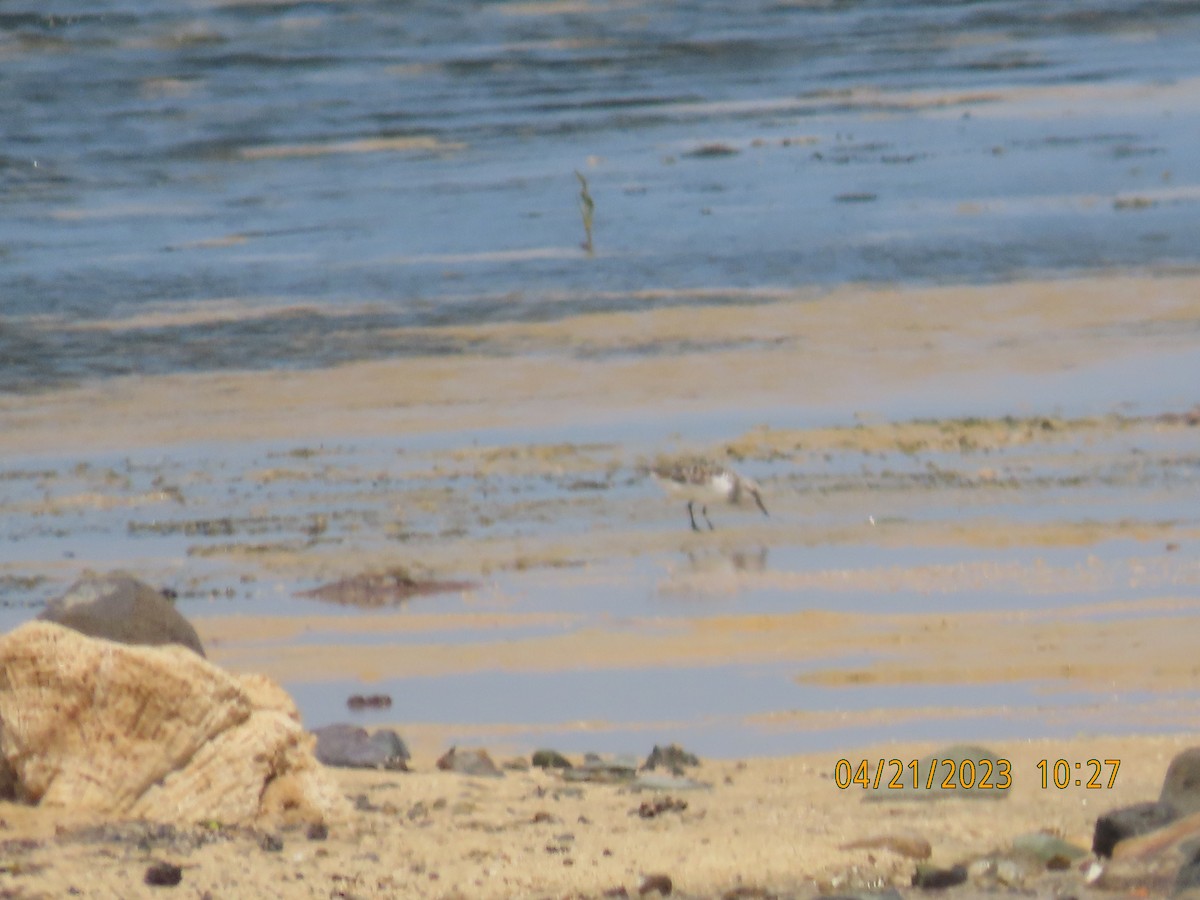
pixel 713 491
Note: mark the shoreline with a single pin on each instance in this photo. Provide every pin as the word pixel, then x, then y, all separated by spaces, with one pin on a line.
pixel 852 349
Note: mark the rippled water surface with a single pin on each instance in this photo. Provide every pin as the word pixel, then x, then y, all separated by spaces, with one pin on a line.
pixel 198 185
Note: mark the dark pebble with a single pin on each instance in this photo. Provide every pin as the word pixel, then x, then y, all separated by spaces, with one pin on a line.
pixel 1129 821
pixel 550 759
pixel 369 701
pixel 656 883
pixel 659 805
pixel 418 811
pixel 163 874
pixel 931 878
pixel 271 843
pixel 318 831
pixel 710 151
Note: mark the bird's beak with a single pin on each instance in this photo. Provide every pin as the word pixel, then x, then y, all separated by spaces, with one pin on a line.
pixel 758 500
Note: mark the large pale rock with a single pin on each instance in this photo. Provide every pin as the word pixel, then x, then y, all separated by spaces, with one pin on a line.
pixel 151 732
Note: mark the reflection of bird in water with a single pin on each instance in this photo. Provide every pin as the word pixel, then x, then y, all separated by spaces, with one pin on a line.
pixel 728 562
pixel 702 482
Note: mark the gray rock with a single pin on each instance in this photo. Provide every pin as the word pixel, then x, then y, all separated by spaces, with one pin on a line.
pixel 933 878
pixel 391 745
pixel 1188 878
pixel 1130 821
pixel 1181 787
pixel 119 607
pixel 672 757
pixel 550 759
pixel 656 883
pixel 163 874
pixel 1049 850
pixel 603 771
pixel 943 774
pixel 350 747
pixel 469 762
pixel 1149 865
pixel 620 761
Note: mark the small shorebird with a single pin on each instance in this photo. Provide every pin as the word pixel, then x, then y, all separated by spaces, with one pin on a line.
pixel 701 482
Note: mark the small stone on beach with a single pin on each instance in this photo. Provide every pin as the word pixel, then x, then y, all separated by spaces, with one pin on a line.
pixel 163 874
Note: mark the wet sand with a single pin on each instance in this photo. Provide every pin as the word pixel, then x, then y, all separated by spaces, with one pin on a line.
pixel 800 354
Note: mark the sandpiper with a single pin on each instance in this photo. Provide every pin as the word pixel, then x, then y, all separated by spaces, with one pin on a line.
pixel 701 482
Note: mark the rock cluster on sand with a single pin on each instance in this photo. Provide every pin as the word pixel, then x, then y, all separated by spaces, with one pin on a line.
pixel 1153 845
pixel 351 747
pixel 150 732
pixel 469 762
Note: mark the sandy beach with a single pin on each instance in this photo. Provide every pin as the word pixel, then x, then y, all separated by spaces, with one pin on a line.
pixel 780 827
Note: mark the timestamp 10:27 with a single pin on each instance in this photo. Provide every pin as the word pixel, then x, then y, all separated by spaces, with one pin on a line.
pixel 1062 773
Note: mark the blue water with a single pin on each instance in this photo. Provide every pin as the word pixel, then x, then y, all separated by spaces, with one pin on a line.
pixel 164 158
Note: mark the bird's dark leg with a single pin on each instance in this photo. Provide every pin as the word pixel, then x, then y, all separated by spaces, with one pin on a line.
pixel 704 512
pixel 692 516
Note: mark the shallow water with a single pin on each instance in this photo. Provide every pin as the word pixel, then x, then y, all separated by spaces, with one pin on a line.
pixel 718 711
pixel 203 185
pixel 761 708
pixel 231 528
